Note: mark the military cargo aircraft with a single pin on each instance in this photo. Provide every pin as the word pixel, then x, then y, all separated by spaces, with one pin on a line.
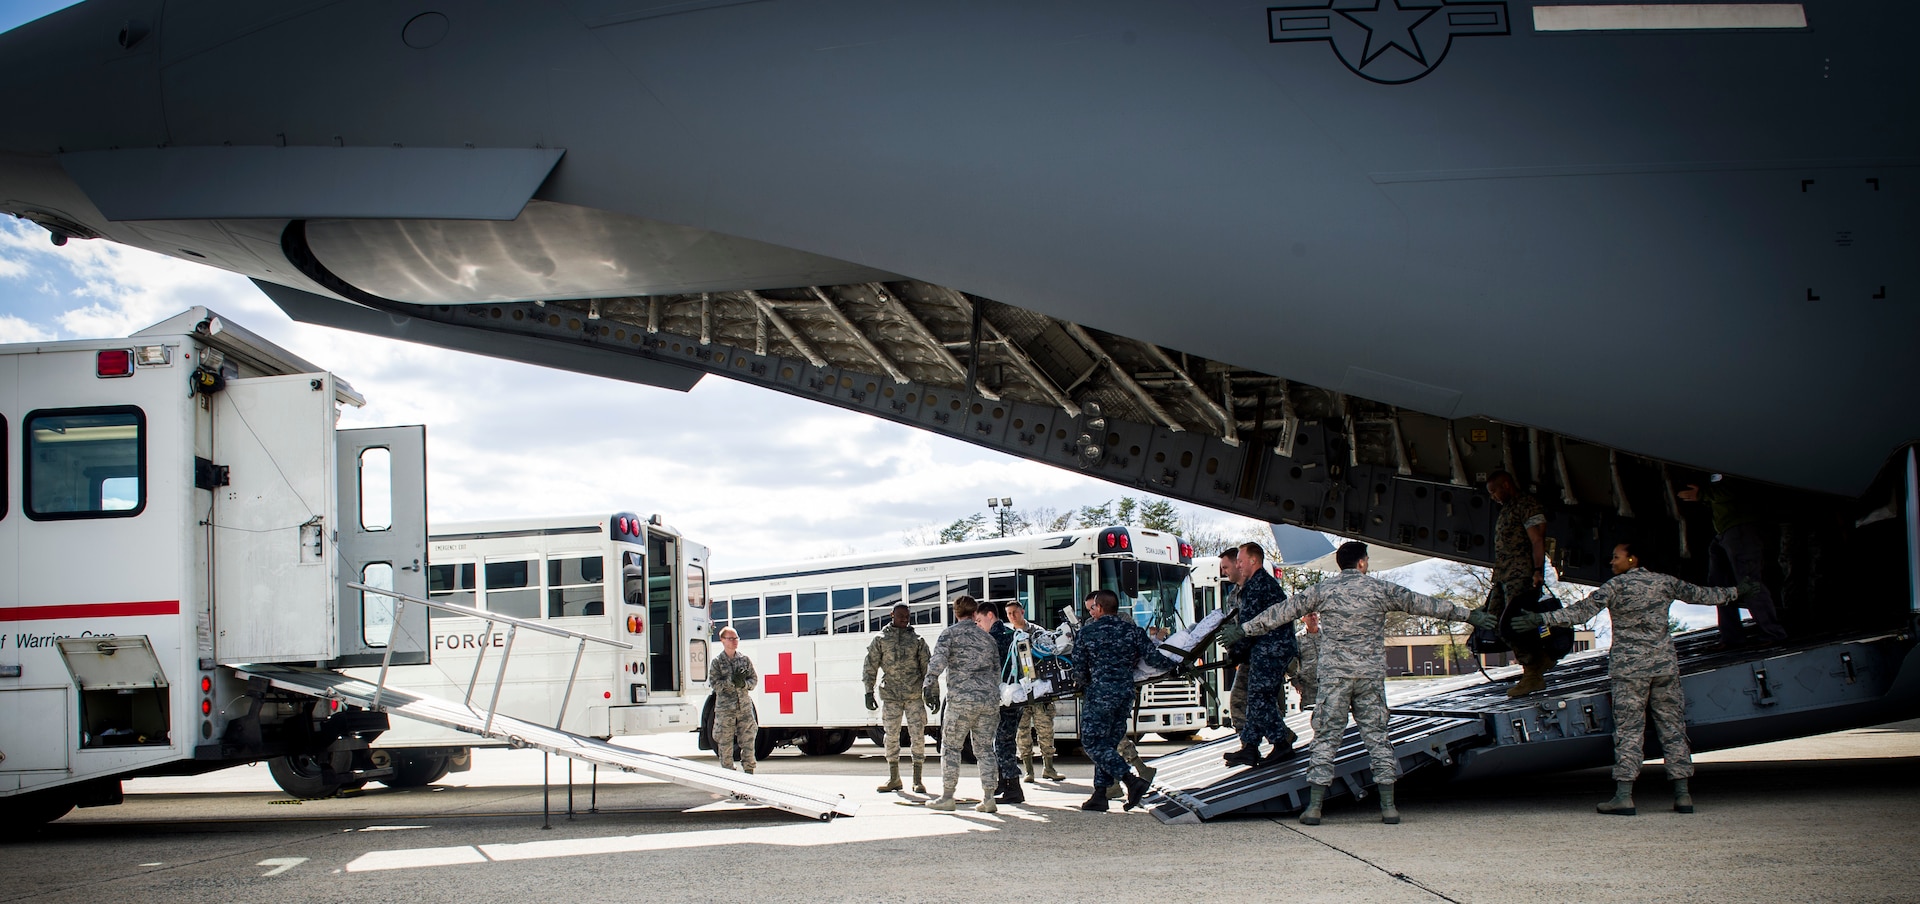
pixel 1309 262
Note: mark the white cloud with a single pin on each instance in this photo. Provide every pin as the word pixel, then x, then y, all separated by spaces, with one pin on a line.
pixel 14 329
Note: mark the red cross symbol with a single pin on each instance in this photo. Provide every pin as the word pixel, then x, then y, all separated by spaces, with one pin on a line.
pixel 786 683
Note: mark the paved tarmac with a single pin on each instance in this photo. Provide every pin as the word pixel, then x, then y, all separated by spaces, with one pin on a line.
pixel 1831 818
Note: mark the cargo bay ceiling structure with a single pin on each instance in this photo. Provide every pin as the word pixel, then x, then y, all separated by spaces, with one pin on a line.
pixel 1117 408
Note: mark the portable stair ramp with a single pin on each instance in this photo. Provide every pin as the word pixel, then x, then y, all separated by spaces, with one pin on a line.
pixel 518 733
pixel 486 722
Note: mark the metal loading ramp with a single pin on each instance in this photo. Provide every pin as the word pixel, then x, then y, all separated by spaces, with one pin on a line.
pixel 1194 786
pixel 519 733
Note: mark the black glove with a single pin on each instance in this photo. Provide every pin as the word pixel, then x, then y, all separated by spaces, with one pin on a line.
pixel 932 695
pixel 739 681
pixel 1526 621
pixel 871 705
pixel 1749 589
pixel 1231 634
pixel 1482 619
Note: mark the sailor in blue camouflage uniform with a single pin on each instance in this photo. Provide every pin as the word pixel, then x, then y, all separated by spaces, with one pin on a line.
pixel 1105 653
pixel 1642 667
pixel 1009 719
pixel 1266 670
pixel 1353 666
pixel 965 653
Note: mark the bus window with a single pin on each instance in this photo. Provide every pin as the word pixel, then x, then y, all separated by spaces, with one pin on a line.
pixel 1003 587
pixel 85 463
pixel 924 600
pixel 849 610
pixel 575 586
pixel 969 585
pixel 722 613
pixel 633 578
pixel 779 615
pixel 881 598
pixel 813 614
pixel 1053 593
pixel 1161 597
pixel 376 611
pixel 746 617
pixel 449 583
pixel 510 589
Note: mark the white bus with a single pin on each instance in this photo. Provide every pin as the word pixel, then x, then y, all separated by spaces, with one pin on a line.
pixel 618 576
pixel 806 625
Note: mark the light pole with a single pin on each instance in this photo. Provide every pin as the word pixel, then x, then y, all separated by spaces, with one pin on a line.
pixel 1002 507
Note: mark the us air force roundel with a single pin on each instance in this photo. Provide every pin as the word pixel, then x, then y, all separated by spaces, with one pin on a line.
pixel 1387 41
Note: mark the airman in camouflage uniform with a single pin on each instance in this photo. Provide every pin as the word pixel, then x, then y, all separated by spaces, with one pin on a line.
pixel 735 723
pixel 1353 666
pixel 1266 671
pixel 1036 717
pixel 902 654
pixel 967 655
pixel 1643 669
pixel 1519 574
pixel 1105 653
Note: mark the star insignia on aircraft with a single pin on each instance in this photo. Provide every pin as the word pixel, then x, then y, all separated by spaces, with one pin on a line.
pixel 1363 31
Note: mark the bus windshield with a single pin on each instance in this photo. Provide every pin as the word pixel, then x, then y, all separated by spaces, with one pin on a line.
pixel 1164 598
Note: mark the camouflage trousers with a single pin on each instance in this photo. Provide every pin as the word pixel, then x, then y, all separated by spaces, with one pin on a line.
pixel 1633 700
pixel 735 727
pixel 978 721
pixel 1366 700
pixel 914 713
pixel 1035 729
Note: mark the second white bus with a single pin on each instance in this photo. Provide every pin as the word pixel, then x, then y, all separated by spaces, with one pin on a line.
pixel 806 625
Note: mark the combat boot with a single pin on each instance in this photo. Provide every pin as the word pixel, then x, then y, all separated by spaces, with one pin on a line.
pixel 986 800
pixel 1389 813
pixel 893 778
pixel 1245 756
pixel 1682 797
pixel 1012 793
pixel 1098 802
pixel 1532 681
pixel 1027 762
pixel 944 804
pixel 919 787
pixel 1622 802
pixel 1047 771
pixel 1316 798
pixel 1136 789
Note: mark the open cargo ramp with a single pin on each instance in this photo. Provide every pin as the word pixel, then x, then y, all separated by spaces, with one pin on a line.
pixel 519 733
pixel 1469 726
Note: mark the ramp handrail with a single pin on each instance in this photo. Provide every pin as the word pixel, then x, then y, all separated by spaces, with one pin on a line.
pixel 499 679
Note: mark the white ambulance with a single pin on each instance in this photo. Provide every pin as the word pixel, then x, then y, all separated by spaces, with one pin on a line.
pixel 178 503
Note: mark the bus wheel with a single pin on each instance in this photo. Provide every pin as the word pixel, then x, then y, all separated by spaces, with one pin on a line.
pixel 300 776
pixel 416 770
pixel 763 744
pixel 827 741
pixel 1181 737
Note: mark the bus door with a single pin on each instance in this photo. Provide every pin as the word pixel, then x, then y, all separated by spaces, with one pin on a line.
pixel 1050 592
pixel 664 575
pixel 694 614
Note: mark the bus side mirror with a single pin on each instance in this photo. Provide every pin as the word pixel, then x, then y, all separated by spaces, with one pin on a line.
pixel 1130 577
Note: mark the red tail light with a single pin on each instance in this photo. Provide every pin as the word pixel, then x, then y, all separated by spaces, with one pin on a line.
pixel 113 362
pixel 206 685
